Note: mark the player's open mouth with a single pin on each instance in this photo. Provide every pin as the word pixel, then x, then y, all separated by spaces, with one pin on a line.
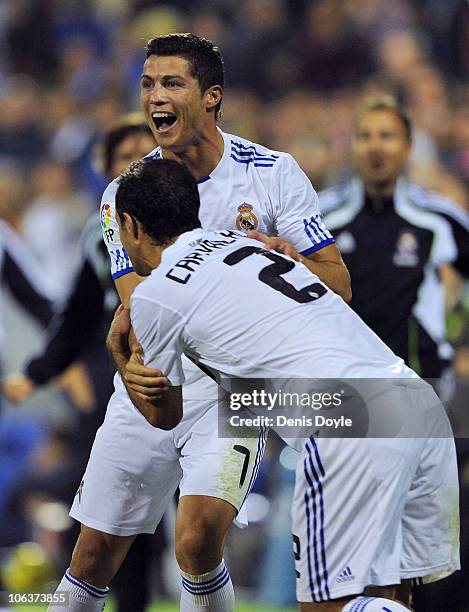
pixel 377 164
pixel 164 121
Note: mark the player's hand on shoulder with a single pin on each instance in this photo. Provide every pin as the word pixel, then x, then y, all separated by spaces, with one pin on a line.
pixel 276 243
pixel 17 387
pixel 147 383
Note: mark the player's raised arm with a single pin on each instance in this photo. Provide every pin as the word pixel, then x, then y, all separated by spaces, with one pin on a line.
pixel 122 271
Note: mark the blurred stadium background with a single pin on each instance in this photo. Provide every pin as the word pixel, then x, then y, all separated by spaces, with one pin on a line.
pixel 296 70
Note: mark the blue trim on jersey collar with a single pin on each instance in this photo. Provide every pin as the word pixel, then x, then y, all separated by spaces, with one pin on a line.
pixel 316 247
pixel 206 178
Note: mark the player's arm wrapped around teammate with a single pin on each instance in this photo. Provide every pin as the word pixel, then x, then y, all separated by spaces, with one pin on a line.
pixel 298 222
pixel 158 401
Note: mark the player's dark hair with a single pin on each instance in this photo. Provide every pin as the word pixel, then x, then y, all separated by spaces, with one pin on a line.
pixel 390 104
pixel 162 195
pixel 132 123
pixel 204 57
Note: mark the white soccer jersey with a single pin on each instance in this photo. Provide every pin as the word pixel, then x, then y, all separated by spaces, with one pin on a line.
pixel 216 298
pixel 251 188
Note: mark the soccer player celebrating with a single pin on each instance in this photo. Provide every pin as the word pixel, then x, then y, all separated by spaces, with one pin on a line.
pixel 134 468
pixel 366 512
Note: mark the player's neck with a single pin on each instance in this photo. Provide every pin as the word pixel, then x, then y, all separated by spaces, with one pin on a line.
pixel 383 190
pixel 201 157
pixel 152 254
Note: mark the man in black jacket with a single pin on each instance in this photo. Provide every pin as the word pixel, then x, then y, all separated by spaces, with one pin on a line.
pixel 395 237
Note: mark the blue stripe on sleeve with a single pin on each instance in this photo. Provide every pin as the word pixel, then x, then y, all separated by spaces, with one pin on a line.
pixel 122 273
pixel 317 247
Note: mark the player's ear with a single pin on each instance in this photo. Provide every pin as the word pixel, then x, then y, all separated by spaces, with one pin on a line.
pixel 213 96
pixel 130 224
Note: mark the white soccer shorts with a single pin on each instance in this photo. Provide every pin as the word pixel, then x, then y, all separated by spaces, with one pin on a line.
pixel 134 468
pixel 376 511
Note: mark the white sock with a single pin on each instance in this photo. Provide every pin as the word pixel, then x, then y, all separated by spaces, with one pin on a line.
pixel 373 604
pixel 81 596
pixel 210 592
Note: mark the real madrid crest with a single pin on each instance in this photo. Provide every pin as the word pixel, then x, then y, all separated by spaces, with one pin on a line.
pixel 246 221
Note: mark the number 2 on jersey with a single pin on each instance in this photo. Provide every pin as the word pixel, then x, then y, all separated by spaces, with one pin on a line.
pixel 271 275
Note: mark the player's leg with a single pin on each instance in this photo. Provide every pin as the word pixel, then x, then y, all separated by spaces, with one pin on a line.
pixel 346 513
pixel 217 476
pixel 97 556
pixel 95 560
pixel 130 479
pixel 432 509
pixel 201 526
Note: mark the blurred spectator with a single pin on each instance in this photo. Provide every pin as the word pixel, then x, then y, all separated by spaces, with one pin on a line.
pixel 448 24
pixel 83 73
pixel 21 134
pixel 57 210
pixel 256 48
pixel 401 52
pixel 26 282
pixel 19 271
pixel 459 35
pixel 79 330
pixel 458 145
pixel 375 19
pixel 13 195
pixel 31 44
pixel 19 438
pixel 332 51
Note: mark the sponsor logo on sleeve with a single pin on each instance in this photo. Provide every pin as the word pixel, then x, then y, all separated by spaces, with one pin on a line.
pixel 106 214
